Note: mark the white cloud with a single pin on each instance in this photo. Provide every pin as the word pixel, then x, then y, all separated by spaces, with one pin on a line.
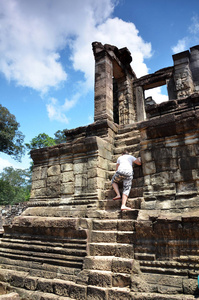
pixel 4 163
pixel 181 46
pixel 156 94
pixel 194 27
pixel 56 111
pixel 32 33
pixel 127 36
pixel 189 40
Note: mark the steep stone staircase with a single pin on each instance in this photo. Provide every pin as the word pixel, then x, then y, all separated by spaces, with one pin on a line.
pixel 95 256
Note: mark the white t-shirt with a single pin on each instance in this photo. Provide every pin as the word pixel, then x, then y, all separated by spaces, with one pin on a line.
pixel 126 162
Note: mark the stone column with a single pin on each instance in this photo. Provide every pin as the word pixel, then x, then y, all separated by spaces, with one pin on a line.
pixel 141 114
pixel 125 100
pixel 194 65
pixel 103 86
pixel 182 75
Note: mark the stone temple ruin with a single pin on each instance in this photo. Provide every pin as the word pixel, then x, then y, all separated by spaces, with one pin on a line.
pixel 72 241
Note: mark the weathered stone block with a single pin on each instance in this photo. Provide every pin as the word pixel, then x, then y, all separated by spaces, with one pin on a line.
pixel 38 193
pixel 95 183
pixel 53 180
pixel 115 293
pixel 37 184
pixel 146 156
pixel 54 170
pixel 121 280
pixel 45 285
pixel 95 293
pixel 80 168
pixel 190 286
pixel 160 179
pixel 61 287
pixel 101 279
pixel 126 251
pixel 98 263
pixel 53 191
pixel 125 237
pixel 124 265
pixel 10 296
pixel 107 224
pixel 149 168
pixel 39 173
pixel 125 225
pixel 66 167
pixel 17 280
pixel 104 236
pixel 77 291
pixel 67 176
pixel 80 180
pixel 30 283
pixel 67 188
pixel 103 250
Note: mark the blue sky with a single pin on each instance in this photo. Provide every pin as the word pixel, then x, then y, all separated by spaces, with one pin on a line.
pixel 46 59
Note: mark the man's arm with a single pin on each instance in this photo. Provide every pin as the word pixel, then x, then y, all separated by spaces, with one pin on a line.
pixel 138 161
pixel 117 165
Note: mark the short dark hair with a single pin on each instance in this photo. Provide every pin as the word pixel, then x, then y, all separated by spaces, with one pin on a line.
pixel 125 152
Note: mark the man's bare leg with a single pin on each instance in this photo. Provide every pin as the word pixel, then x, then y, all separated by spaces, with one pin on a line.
pixel 124 200
pixel 116 189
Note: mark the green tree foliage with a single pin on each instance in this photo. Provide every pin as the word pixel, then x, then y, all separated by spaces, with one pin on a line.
pixel 15 185
pixel 11 139
pixel 60 137
pixel 41 141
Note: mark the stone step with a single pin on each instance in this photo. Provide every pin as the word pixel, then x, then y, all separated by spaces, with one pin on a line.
pixel 108 249
pixel 105 293
pixel 22 282
pixel 170 267
pixel 44 270
pixel 46 241
pixel 73 249
pixel 159 296
pixel 62 211
pixel 163 202
pixel 111 263
pixel 64 273
pixel 95 293
pixel 70 256
pixel 136 192
pixel 128 141
pixel 144 287
pixel 112 236
pixel 30 295
pixel 8 296
pixel 132 149
pixel 190 259
pixel 108 279
pixel 127 134
pixel 116 204
pixel 127 128
pixel 166 283
pixel 18 256
pixel 145 256
pixel 120 225
pixel 113 214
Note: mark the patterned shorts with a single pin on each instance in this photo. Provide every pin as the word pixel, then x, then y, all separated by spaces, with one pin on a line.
pixel 126 177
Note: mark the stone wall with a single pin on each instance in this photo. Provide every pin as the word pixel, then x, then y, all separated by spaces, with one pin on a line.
pixel 75 170
pixel 170 155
